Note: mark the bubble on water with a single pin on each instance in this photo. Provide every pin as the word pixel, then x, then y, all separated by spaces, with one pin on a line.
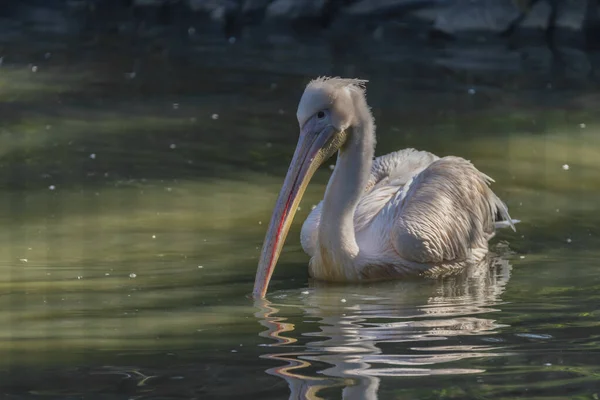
pixel 582 125
pixel 305 292
pixel 343 300
pixel 132 275
pixel 107 274
pixel 232 40
pixel 332 167
pixel 234 351
pixel 522 257
pixel 569 240
pixel 79 277
pixel 558 210
pixel 191 30
pixel 471 91
pixel 547 364
pixel 175 106
pixel 93 156
pixel 269 145
pixel 313 207
pixel 172 146
pixel 34 68
pixel 51 187
pixel 565 167
pixel 299 208
pixel 48 127
pixel 200 266
pixel 23 260
pixel 260 222
pixel 153 236
pixel 215 116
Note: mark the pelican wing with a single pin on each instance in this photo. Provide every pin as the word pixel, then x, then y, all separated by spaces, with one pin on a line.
pixel 389 174
pixel 445 213
pixel 399 166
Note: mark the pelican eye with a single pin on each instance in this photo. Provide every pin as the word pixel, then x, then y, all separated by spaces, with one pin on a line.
pixel 321 114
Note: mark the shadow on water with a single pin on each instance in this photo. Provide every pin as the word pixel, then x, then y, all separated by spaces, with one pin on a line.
pixel 432 325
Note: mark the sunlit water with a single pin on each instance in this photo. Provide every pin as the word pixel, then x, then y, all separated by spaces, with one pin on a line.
pixel 136 190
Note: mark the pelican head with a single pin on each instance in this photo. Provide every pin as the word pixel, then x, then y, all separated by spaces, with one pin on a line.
pixel 325 112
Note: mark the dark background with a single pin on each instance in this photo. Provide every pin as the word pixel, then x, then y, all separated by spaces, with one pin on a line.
pixel 560 37
pixel 554 23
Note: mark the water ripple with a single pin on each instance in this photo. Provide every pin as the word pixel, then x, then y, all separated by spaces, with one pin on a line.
pixel 384 330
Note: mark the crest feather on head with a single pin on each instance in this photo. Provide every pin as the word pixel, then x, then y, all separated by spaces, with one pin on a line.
pixel 358 85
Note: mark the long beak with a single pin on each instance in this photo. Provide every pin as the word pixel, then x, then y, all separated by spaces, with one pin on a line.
pixel 312 150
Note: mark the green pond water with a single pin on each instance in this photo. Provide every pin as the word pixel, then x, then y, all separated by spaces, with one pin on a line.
pixel 133 208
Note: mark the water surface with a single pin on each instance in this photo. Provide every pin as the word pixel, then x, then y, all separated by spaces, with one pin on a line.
pixel 137 186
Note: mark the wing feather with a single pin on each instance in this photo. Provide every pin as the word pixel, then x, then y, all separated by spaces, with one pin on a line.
pixel 446 213
pixel 389 174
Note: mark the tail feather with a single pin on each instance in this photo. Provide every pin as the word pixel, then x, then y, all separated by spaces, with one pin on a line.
pixel 503 219
pixel 506 224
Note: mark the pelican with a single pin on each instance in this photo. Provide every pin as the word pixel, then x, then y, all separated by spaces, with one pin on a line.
pixel 406 213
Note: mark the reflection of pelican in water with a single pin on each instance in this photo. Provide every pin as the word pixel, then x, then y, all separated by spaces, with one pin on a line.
pixel 410 314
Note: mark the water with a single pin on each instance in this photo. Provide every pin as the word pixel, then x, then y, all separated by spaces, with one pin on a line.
pixel 136 191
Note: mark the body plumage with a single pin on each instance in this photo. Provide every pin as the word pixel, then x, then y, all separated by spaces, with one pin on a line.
pixel 419 213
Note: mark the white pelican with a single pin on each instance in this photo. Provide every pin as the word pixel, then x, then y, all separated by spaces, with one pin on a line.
pixel 405 213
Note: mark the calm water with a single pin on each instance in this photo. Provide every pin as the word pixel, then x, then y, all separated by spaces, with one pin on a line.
pixel 136 190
